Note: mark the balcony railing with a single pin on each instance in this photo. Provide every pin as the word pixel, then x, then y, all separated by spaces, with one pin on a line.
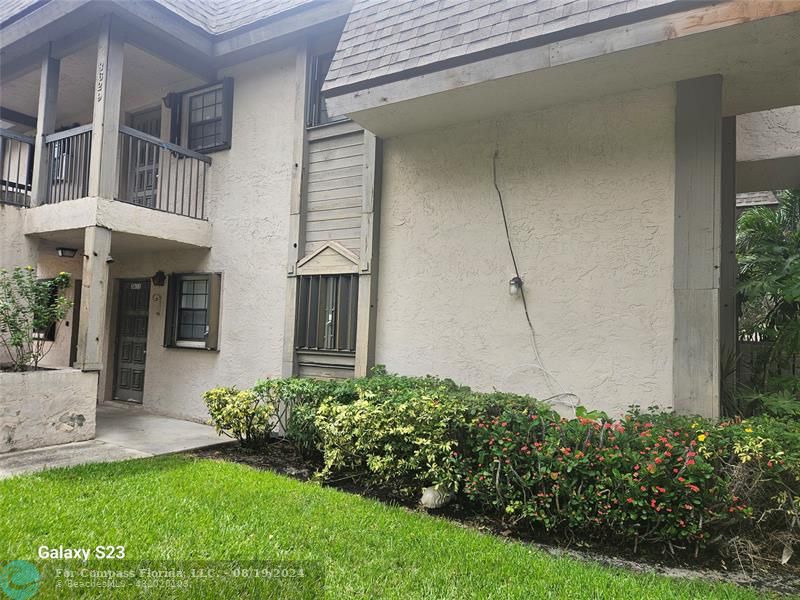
pixel 68 155
pixel 160 175
pixel 16 168
pixel 152 173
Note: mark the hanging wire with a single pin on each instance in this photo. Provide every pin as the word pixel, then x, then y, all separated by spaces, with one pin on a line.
pixel 561 396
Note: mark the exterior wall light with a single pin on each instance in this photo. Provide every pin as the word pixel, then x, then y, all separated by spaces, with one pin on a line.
pixel 159 278
pixel 515 286
pixel 66 252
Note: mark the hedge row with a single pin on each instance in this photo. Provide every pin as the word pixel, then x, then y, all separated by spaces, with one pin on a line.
pixel 680 481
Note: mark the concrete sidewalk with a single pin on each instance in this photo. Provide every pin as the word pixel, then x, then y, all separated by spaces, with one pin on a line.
pixel 122 434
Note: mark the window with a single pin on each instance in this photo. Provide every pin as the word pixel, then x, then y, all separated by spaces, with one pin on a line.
pixel 210 116
pixel 326 313
pixel 193 311
pixel 317 109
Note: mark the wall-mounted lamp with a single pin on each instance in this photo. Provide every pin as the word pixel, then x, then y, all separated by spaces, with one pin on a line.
pixel 159 278
pixel 66 252
pixel 514 286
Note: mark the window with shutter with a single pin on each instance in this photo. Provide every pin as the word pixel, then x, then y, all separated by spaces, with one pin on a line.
pixel 209 116
pixel 193 302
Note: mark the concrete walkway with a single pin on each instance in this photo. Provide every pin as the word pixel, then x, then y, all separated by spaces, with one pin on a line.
pixel 122 434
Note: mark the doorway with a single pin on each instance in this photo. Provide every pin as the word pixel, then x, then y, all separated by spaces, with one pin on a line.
pixel 132 320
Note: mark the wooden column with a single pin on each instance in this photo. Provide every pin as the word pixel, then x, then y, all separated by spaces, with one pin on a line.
pixel 728 266
pixel 368 267
pixel 103 181
pixel 296 228
pixel 94 298
pixel 45 124
pixel 697 378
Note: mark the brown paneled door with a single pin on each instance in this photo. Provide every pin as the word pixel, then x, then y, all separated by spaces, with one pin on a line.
pixel 134 305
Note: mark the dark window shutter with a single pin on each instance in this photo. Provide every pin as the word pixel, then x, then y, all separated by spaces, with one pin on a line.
pixel 169 320
pixel 175 105
pixel 214 295
pixel 227 116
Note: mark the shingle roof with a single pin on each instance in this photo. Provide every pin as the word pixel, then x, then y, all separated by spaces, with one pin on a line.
pixel 9 8
pixel 213 16
pixel 223 16
pixel 386 37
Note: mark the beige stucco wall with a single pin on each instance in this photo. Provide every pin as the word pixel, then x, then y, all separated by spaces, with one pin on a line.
pixel 15 249
pixel 589 197
pixel 44 408
pixel 248 209
pixel 248 202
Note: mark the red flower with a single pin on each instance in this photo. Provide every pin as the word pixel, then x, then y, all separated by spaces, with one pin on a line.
pixel 629 500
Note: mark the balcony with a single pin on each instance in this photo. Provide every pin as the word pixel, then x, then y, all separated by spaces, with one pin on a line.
pixel 151 174
pixel 16 166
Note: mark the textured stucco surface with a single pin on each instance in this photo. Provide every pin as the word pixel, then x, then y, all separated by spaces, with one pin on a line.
pixel 248 209
pixel 45 408
pixel 15 249
pixel 589 195
pixel 768 134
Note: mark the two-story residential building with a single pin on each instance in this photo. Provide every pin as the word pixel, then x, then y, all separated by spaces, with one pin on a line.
pixel 530 195
pixel 156 151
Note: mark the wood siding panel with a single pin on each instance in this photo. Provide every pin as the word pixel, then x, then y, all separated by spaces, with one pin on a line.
pixel 334 189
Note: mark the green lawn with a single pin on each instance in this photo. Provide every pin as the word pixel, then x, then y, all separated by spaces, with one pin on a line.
pixel 177 508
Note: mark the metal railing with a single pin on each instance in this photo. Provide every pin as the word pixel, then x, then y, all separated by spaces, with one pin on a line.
pixel 68 156
pixel 160 175
pixel 16 168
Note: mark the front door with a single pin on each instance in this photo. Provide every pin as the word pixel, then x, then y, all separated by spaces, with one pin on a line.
pixel 134 305
pixel 145 156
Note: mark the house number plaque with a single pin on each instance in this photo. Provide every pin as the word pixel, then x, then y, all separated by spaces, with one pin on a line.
pixel 101 72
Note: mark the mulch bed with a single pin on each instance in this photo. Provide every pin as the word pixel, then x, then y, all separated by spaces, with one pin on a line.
pixel 281 457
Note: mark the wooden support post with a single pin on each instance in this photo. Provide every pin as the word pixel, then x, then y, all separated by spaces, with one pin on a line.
pixel 103 180
pixel 46 124
pixel 368 267
pixel 728 265
pixel 296 227
pixel 697 361
pixel 94 298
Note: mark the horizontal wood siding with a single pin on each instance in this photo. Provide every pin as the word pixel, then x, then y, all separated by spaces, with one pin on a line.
pixel 334 188
pixel 324 365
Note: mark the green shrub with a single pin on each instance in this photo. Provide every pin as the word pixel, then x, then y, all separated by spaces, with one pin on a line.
pixel 30 306
pixel 680 481
pixel 404 433
pixel 641 478
pixel 245 415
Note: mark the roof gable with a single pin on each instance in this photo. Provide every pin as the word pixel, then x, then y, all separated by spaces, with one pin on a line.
pixel 330 258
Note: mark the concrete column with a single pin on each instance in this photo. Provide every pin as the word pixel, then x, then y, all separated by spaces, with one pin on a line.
pixel 45 124
pixel 699 239
pixel 103 180
pixel 94 298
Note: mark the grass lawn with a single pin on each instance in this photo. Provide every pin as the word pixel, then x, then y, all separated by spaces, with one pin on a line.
pixel 181 509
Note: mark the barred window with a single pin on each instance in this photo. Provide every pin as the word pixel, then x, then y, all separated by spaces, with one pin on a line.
pixel 327 312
